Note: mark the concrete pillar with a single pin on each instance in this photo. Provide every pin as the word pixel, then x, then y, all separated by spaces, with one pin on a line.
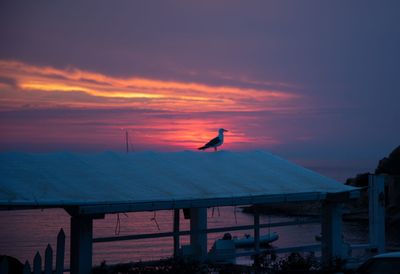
pixel 331 226
pixel 256 237
pixel 257 232
pixel 81 244
pixel 176 231
pixel 198 236
pixel 376 195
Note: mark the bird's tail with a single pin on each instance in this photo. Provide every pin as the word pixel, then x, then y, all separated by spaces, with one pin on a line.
pixel 202 148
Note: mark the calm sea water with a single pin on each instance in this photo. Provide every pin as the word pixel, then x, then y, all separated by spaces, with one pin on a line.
pixel 23 233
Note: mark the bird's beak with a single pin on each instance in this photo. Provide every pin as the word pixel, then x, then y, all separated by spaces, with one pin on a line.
pixel 225 130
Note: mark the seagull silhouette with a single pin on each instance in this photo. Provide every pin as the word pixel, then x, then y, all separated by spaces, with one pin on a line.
pixel 216 142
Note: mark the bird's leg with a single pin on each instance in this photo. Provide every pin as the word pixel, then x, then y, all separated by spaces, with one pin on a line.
pixel 215 148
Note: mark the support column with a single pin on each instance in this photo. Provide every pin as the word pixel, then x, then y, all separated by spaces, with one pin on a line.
pixel 256 236
pixel 376 197
pixel 81 244
pixel 331 226
pixel 257 231
pixel 198 235
pixel 176 232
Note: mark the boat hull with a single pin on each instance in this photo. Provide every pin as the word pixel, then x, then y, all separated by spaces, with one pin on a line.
pixel 249 241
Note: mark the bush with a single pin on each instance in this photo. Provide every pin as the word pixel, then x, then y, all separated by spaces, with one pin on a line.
pixel 294 263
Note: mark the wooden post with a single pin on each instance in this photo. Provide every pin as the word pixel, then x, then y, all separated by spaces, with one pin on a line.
pixel 256 236
pixel 331 226
pixel 376 194
pixel 81 244
pixel 48 260
pixel 198 235
pixel 176 232
pixel 27 268
pixel 37 264
pixel 60 252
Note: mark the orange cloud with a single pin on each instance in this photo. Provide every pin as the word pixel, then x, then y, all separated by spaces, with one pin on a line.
pixel 109 91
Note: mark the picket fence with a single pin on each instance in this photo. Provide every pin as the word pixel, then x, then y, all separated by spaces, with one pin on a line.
pixel 48 260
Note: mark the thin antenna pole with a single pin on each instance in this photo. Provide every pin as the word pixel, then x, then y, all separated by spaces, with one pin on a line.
pixel 126 140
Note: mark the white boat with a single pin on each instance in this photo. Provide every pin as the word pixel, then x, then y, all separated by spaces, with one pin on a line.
pixel 248 241
pixel 224 250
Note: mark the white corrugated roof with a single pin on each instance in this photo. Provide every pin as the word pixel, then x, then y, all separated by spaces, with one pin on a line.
pixel 112 178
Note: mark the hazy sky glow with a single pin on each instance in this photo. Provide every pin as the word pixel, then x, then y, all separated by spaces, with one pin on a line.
pixel 314 81
pixel 164 114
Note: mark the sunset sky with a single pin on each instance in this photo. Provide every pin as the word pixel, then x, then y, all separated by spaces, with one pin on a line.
pixel 317 82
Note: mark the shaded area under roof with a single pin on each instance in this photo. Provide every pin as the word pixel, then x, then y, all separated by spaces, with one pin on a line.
pixel 152 180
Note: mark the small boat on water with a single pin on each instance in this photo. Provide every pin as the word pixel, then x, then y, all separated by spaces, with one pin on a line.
pixel 223 250
pixel 248 241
